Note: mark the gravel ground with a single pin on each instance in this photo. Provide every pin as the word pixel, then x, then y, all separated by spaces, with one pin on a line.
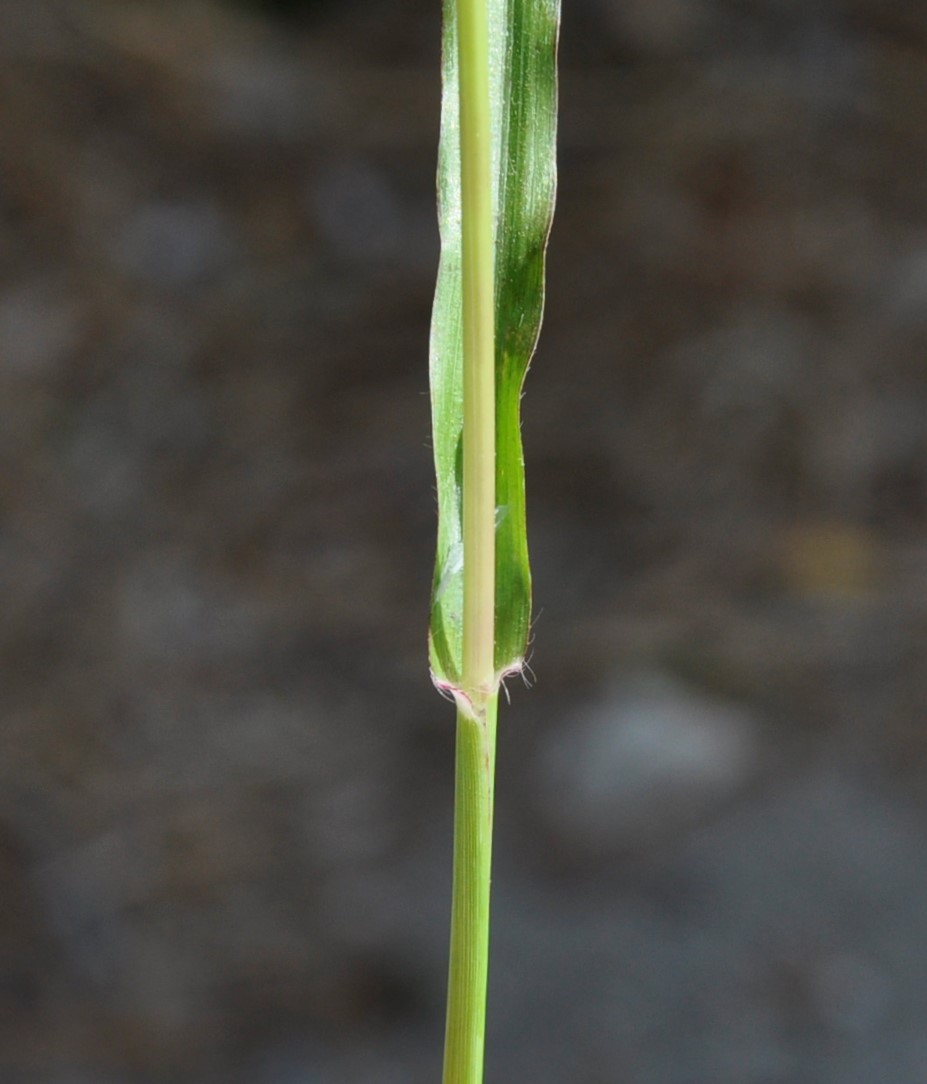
pixel 225 785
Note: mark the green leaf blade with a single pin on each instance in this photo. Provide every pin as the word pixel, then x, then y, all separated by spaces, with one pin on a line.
pixel 523 35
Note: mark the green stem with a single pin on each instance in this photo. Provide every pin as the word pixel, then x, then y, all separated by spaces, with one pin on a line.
pixel 479 377
pixel 466 990
pixel 476 718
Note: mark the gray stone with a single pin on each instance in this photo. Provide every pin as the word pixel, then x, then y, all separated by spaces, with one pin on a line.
pixel 175 244
pixel 651 756
pixel 39 329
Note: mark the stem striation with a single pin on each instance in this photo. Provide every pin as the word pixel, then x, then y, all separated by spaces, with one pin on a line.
pixel 469 955
pixel 476 720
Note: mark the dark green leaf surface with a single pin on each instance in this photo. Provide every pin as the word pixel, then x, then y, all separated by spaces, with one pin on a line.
pixel 523 35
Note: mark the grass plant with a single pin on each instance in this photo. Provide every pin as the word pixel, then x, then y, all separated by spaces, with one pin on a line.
pixel 496 183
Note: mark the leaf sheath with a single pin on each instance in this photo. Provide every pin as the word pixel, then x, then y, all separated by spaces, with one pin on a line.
pixel 522 77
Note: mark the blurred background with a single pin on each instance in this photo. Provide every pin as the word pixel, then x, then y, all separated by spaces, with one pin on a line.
pixel 225 780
